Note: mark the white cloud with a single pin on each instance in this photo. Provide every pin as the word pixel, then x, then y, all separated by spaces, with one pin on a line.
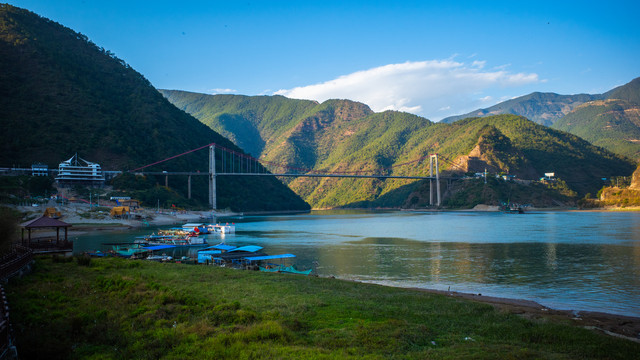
pixel 222 91
pixel 427 88
pixel 478 64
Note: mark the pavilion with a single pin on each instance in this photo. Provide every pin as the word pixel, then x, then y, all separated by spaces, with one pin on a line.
pixel 45 222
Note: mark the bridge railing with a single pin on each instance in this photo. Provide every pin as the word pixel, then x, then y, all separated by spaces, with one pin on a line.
pixel 10 265
pixel 7 347
pixel 15 261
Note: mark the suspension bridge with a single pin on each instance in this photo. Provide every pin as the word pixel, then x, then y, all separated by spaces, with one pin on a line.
pixel 228 162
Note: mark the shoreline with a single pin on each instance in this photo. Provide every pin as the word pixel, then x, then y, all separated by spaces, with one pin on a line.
pixel 627 327
pixel 622 326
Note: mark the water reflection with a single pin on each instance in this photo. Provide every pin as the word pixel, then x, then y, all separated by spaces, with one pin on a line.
pixel 576 260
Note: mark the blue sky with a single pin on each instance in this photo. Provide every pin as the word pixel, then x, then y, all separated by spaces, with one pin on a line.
pixel 433 59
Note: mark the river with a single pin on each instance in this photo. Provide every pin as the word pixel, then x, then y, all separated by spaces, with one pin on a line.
pixel 563 260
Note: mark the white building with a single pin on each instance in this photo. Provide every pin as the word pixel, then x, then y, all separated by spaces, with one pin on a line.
pixel 39 169
pixel 79 171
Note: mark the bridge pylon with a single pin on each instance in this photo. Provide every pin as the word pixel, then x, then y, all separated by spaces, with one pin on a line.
pixel 212 177
pixel 432 158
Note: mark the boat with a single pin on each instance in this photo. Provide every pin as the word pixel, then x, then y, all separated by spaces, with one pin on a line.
pixel 512 208
pixel 131 250
pixel 285 269
pixel 248 257
pixel 163 257
pixel 212 254
pixel 196 228
pixel 97 253
pixel 223 229
pixel 171 240
pixel 263 265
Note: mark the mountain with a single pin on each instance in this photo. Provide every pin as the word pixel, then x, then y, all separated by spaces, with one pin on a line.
pixel 609 120
pixel 542 108
pixel 246 120
pixel 537 149
pixel 61 94
pixel 346 136
pixel 612 124
pixel 547 108
pixel 629 92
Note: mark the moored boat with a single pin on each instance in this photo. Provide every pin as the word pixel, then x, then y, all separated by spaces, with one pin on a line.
pixel 285 269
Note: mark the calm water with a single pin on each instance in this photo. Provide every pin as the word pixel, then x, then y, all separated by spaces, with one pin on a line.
pixel 564 260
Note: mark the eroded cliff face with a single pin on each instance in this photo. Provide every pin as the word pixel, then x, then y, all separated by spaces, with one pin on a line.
pixel 495 153
pixel 635 180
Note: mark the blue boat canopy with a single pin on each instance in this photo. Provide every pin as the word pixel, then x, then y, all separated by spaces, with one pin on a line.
pixel 270 257
pixel 209 252
pixel 224 247
pixel 248 248
pixel 219 247
pixel 159 247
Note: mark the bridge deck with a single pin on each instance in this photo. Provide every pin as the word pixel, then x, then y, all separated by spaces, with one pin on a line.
pixel 296 175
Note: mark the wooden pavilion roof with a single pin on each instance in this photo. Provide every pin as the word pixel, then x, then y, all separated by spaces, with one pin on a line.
pixel 45 222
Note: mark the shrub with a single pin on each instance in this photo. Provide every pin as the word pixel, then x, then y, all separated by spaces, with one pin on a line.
pixel 84 260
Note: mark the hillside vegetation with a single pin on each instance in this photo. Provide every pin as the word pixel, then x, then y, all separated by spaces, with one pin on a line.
pixel 628 92
pixel 61 94
pixel 609 120
pixel 345 136
pixel 611 124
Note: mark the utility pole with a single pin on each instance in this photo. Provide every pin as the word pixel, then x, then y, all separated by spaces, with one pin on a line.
pixel 189 187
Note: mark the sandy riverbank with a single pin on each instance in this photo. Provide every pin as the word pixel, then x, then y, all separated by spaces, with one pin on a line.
pixel 82 220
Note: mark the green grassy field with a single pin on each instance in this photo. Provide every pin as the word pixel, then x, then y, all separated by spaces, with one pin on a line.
pixel 123 309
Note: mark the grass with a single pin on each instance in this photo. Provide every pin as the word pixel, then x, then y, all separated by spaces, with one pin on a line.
pixel 121 309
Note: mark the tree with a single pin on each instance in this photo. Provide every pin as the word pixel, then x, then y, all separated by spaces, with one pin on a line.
pixel 8 228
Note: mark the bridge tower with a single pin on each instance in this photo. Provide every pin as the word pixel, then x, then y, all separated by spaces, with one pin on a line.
pixel 212 177
pixel 433 158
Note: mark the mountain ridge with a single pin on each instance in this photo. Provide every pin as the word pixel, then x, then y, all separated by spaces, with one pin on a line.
pixel 542 108
pixel 547 108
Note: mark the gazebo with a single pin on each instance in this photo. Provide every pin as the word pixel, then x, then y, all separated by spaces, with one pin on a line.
pixel 45 222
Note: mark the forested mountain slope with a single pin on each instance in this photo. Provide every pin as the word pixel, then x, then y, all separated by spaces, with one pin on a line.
pixel 61 94
pixel 611 124
pixel 345 136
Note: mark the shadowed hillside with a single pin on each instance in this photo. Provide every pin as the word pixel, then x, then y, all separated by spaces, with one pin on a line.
pixel 61 94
